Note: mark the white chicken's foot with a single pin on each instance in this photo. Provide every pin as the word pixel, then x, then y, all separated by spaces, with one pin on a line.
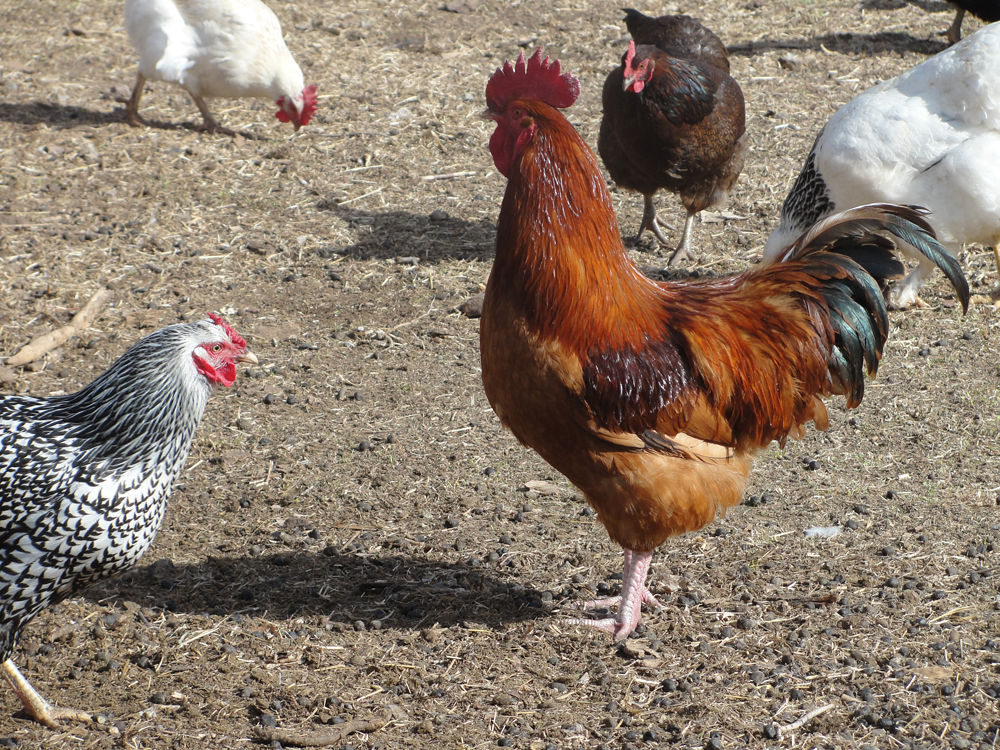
pixel 906 293
pixel 683 251
pixel 634 595
pixel 40 709
pixel 210 124
pixel 132 103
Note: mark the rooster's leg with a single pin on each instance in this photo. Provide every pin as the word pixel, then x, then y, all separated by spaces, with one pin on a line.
pixel 652 222
pixel 40 709
pixel 996 253
pixel 683 250
pixel 132 104
pixel 634 595
pixel 210 125
pixel 954 32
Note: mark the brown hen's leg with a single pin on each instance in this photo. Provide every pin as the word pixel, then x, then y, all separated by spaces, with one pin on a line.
pixel 132 105
pixel 652 222
pixel 683 250
pixel 40 709
pixel 211 124
pixel 634 595
pixel 954 32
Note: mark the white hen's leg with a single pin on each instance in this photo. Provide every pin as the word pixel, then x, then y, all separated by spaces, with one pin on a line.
pixel 40 709
pixel 906 293
pixel 683 250
pixel 132 105
pixel 210 125
pixel 634 595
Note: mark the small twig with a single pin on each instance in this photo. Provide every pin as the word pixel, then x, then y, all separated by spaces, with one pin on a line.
pixel 450 176
pixel 335 736
pixel 42 345
pixel 805 719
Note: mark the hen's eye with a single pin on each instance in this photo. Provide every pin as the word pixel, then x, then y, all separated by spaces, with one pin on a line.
pixel 217 348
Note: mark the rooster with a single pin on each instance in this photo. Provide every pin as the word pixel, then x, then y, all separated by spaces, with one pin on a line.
pixel 930 137
pixel 673 118
pixel 654 397
pixel 85 477
pixel 230 48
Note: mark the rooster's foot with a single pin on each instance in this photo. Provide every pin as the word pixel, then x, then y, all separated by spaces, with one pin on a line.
pixel 634 595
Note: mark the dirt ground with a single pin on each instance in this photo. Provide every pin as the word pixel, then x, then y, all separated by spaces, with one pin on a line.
pixel 356 539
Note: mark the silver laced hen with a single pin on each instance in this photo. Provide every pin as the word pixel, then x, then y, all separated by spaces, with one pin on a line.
pixel 85 477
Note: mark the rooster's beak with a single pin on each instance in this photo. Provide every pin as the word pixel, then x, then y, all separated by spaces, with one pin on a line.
pixel 248 357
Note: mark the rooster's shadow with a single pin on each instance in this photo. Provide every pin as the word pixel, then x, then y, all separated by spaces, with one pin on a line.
pixel 399 591
pixel 388 235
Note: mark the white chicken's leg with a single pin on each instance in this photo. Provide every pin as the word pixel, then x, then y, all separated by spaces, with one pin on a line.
pixel 906 293
pixel 210 125
pixel 684 248
pixel 132 104
pixel 634 595
pixel 40 709
pixel 652 222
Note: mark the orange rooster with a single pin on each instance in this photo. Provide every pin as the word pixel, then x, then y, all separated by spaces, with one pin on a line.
pixel 653 398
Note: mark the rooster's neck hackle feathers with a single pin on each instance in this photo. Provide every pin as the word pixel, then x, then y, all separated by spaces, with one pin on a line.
pixel 557 244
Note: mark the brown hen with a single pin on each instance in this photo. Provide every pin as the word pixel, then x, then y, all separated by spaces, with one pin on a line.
pixel 674 119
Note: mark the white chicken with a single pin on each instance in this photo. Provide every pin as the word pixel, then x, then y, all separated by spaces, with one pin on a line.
pixel 929 137
pixel 227 48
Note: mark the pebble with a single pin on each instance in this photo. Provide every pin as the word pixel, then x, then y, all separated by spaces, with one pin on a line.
pixel 364 446
pixel 268 721
pixel 291 400
pixel 158 699
pixel 269 399
pixel 439 214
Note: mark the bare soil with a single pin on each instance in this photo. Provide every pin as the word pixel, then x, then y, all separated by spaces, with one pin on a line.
pixel 356 538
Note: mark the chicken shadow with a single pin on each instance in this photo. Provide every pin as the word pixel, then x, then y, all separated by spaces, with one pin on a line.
pixel 399 591
pixel 848 43
pixel 401 234
pixel 57 116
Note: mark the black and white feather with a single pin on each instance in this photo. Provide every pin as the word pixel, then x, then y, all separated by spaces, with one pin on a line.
pixel 85 477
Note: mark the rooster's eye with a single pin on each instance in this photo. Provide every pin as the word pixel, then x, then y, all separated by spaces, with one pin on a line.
pixel 217 348
pixel 518 113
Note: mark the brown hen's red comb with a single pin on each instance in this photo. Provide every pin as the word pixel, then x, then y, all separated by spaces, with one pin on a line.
pixel 536 79
pixel 233 336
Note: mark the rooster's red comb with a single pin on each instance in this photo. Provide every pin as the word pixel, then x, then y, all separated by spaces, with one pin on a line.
pixel 230 331
pixel 536 79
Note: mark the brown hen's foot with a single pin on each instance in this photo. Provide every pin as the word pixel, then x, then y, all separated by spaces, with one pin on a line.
pixel 634 595
pixel 683 251
pixel 40 709
pixel 652 222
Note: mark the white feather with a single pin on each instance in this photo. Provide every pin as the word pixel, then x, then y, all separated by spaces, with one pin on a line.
pixel 225 48
pixel 929 137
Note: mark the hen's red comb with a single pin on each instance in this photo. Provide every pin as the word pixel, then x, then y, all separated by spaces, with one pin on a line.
pixel 308 103
pixel 536 79
pixel 230 331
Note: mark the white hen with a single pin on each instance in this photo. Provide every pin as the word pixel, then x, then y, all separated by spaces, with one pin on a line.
pixel 929 137
pixel 228 48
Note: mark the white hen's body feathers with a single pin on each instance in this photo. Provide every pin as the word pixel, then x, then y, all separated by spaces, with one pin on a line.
pixel 214 48
pixel 929 137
